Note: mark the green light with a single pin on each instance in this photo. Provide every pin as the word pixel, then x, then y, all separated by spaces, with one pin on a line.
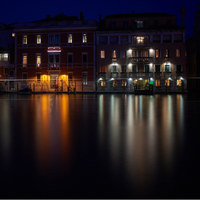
pixel 151 83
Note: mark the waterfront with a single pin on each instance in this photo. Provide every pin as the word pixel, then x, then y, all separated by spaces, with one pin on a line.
pixel 99 146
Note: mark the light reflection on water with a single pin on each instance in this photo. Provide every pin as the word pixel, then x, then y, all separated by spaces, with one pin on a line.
pixel 136 135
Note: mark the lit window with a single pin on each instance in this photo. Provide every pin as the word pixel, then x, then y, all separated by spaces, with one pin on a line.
pixel 140 40
pixel 134 53
pixel 114 83
pixel 124 83
pixel 114 54
pixel 84 38
pixel 179 83
pixel 102 54
pixel 157 53
pixel 13 34
pixel 139 24
pixel 4 57
pixel 157 83
pixel 70 39
pixel 167 53
pixel 102 83
pixel 114 68
pixel 38 61
pixel 167 68
pixel 25 40
pixel 103 69
pixel 178 52
pixel 24 60
pixel 146 53
pixel 38 39
pixel 167 83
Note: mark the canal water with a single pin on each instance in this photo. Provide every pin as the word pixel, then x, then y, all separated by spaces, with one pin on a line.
pixel 99 146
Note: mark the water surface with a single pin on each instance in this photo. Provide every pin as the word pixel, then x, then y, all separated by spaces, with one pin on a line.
pixel 99 146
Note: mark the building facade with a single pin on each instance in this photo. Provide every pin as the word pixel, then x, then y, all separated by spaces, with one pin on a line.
pixel 56 55
pixel 141 52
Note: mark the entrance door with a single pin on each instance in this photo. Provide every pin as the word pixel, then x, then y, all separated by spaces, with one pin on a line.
pixel 54 81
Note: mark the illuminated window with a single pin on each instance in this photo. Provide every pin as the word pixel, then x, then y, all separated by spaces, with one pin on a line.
pixel 134 53
pixel 39 39
pixel 38 60
pixel 167 83
pixel 139 24
pixel 102 83
pixel 114 83
pixel 102 54
pixel 24 61
pixel 84 39
pixel 114 68
pixel 167 68
pixel 70 39
pixel 157 53
pixel 157 83
pixel 13 34
pixel 146 53
pixel 140 40
pixel 103 69
pixel 124 83
pixel 167 53
pixel 179 83
pixel 178 53
pixel 25 39
pixel 4 57
pixel 114 55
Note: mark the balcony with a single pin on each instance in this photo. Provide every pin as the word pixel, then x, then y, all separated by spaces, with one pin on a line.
pixel 141 59
pixel 54 66
pixel 123 74
pixel 114 74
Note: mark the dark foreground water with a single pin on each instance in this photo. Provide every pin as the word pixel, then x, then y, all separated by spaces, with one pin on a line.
pixel 99 146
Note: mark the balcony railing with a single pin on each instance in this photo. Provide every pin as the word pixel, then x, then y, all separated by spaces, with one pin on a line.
pixel 123 75
pixel 114 74
pixel 141 59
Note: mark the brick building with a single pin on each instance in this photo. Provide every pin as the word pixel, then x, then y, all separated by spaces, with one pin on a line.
pixel 140 51
pixel 56 54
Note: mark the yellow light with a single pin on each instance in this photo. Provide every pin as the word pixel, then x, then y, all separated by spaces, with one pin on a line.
pixel 13 34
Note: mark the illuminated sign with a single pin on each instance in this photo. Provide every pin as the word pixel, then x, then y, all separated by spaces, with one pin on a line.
pixel 54 50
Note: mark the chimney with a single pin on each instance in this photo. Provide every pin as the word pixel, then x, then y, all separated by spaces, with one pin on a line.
pixel 182 11
pixel 81 16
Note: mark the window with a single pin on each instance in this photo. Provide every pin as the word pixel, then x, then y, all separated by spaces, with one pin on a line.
pixel 24 61
pixel 179 83
pixel 157 83
pixel 103 69
pixel 24 76
pixel 11 73
pixel 167 83
pixel 38 60
pixel 114 68
pixel 134 53
pixel 54 60
pixel 146 53
pixel 102 54
pixel 13 34
pixel 124 83
pixel 102 83
pixel 124 39
pixel 6 71
pixel 54 39
pixel 114 54
pixel 134 68
pixel 140 40
pixel 178 53
pixel 114 83
pixel 178 69
pixel 114 39
pixel 70 75
pixel 85 77
pixel 70 39
pixel 103 40
pixel 38 77
pixel 84 39
pixel 157 53
pixel 157 68
pixel 124 68
pixel 69 58
pixel 39 39
pixel 167 68
pixel 123 54
pixel 25 39
pixel 167 38
pixel 167 53
pixel 156 38
pixel 139 24
pixel 178 38
pixel 3 56
pixel 85 59
pixel 146 68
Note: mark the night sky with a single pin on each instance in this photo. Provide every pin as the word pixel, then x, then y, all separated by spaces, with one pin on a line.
pixel 26 10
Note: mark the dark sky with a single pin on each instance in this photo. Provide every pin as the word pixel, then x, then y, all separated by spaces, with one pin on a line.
pixel 27 10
